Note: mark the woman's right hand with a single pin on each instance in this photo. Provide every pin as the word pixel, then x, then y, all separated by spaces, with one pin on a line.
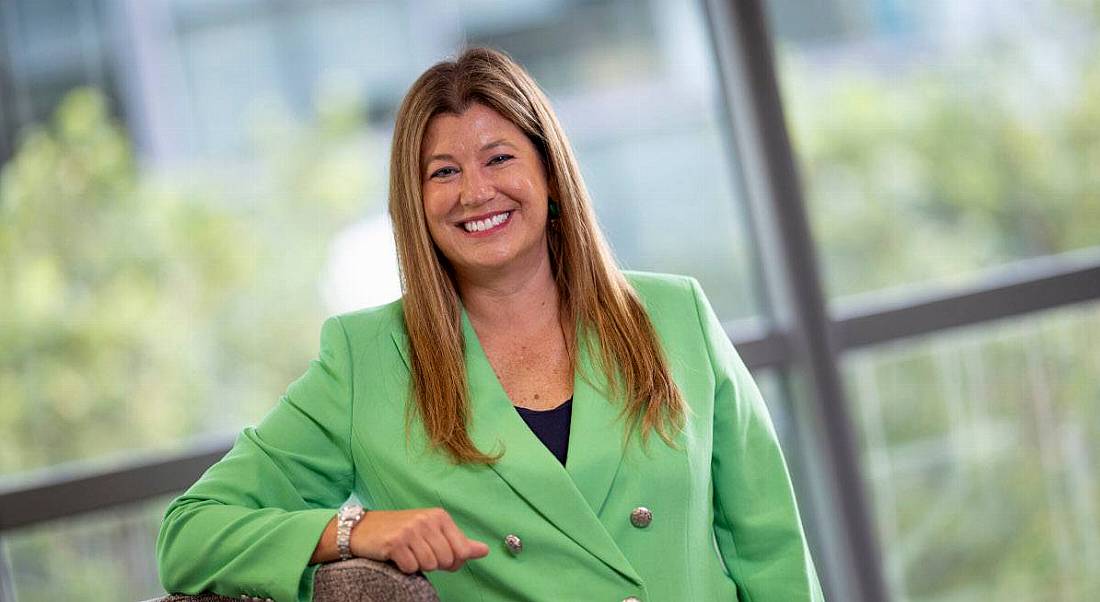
pixel 421 539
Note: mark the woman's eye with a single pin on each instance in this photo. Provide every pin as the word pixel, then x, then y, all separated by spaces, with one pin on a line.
pixel 499 159
pixel 443 171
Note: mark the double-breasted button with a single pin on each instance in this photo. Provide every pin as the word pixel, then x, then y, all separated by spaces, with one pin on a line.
pixel 641 517
pixel 514 543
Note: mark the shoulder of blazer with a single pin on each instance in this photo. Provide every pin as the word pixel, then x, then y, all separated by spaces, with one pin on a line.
pixel 660 292
pixel 371 323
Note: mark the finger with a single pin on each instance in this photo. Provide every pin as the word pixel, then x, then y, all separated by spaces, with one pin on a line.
pixel 423 552
pixel 477 549
pixel 441 548
pixel 403 557
pixel 464 547
pixel 457 541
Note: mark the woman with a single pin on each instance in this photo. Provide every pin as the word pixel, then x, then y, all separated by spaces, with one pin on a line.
pixel 498 420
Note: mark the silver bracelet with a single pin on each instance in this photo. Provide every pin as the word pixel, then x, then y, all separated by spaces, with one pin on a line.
pixel 348 516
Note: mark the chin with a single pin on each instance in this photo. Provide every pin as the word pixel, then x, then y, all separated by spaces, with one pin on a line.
pixel 489 265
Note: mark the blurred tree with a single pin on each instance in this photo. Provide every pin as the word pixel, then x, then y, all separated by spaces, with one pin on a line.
pixel 926 178
pixel 139 308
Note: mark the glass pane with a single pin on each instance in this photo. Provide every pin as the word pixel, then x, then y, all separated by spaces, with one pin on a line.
pixel 49 47
pixel 102 556
pixel 982 449
pixel 772 389
pixel 174 286
pixel 936 139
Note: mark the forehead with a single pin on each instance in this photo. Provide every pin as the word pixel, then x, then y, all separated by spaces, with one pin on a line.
pixel 448 133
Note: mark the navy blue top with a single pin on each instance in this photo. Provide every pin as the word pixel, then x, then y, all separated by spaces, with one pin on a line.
pixel 551 426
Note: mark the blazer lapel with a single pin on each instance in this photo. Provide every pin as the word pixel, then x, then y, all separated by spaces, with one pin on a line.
pixel 595 442
pixel 568 497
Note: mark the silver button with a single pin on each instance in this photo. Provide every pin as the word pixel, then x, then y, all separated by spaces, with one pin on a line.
pixel 641 517
pixel 631 599
pixel 514 543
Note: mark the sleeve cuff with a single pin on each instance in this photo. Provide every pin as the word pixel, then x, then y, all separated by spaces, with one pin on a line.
pixel 312 525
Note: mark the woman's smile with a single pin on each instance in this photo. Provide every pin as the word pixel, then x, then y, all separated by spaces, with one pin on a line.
pixel 486 225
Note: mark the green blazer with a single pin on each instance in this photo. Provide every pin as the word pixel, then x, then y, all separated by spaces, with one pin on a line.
pixel 724 521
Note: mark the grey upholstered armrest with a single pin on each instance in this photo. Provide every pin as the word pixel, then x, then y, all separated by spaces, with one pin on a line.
pixel 355 580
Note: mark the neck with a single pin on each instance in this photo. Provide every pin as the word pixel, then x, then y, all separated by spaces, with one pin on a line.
pixel 515 299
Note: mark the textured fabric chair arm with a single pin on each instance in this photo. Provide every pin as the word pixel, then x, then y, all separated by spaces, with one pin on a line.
pixel 355 580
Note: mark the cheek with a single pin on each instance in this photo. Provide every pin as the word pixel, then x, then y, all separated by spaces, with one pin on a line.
pixel 528 187
pixel 435 205
pixel 435 214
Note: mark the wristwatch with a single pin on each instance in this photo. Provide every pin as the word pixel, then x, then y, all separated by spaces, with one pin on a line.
pixel 348 517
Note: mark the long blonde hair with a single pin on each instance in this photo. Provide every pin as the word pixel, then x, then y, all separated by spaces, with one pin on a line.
pixel 593 292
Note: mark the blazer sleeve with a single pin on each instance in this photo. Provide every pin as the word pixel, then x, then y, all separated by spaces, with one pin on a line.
pixel 250 524
pixel 756 520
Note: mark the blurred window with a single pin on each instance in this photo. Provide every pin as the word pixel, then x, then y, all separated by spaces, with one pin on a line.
pixel 46 48
pixel 105 555
pixel 937 139
pixel 981 449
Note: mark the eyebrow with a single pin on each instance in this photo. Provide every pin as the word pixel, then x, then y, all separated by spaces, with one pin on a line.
pixel 493 144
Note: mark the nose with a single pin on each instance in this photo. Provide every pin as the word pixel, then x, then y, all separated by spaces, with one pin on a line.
pixel 476 188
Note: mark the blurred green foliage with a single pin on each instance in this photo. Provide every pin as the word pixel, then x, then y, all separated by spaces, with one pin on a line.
pixel 140 307
pixel 941 171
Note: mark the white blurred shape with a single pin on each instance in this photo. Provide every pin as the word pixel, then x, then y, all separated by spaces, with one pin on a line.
pixel 362 267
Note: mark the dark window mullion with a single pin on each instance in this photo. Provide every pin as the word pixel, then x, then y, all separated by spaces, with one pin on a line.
pixel 841 511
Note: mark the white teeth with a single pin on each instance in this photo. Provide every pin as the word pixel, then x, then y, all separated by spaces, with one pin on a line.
pixel 485 224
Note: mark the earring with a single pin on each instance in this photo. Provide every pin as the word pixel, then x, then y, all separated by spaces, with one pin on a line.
pixel 554 210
